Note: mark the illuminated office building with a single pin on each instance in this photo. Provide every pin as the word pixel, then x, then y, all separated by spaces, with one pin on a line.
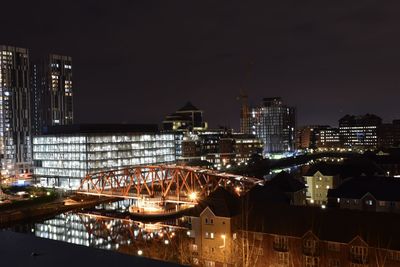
pixel 328 138
pixel 359 131
pixel 307 137
pixel 65 154
pixel 274 123
pixel 15 119
pixel 52 93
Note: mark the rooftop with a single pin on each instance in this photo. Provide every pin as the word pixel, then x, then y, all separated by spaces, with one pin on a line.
pixel 100 128
pixel 188 107
pixel 286 183
pixel 382 188
pixel 333 225
pixel 221 202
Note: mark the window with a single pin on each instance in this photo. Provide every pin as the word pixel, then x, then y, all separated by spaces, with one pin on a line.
pixel 393 255
pixel 209 221
pixel 368 202
pixel 333 263
pixel 209 264
pixel 283 259
pixel 281 243
pixel 209 235
pixel 359 253
pixel 310 261
pixel 310 243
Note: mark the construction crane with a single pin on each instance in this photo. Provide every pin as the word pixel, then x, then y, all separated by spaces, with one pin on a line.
pixel 244 99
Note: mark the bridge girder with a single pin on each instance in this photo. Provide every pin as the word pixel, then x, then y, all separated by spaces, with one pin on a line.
pixel 164 181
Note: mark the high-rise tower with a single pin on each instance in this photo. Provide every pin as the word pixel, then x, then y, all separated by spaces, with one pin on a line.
pixel 274 123
pixel 53 93
pixel 15 119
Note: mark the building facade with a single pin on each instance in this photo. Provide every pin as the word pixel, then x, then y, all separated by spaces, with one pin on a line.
pixel 389 135
pixel 274 123
pixel 64 155
pixel 52 93
pixel 15 119
pixel 186 118
pixel 359 131
pixel 308 136
pixel 368 193
pixel 318 185
pixel 220 147
pixel 328 138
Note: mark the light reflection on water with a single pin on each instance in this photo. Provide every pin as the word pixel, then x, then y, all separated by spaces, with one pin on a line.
pixel 167 241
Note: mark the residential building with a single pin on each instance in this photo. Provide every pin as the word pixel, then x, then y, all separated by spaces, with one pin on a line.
pixel 369 193
pixel 212 229
pixel 15 119
pixel 277 235
pixel 359 131
pixel 52 93
pixel 294 190
pixel 318 185
pixel 272 234
pixel 63 155
pixel 274 123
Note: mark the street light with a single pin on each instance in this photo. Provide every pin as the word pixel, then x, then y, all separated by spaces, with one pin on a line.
pixel 193 196
pixel 223 236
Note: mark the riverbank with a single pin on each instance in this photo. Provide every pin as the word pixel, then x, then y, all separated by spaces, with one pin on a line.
pixel 42 211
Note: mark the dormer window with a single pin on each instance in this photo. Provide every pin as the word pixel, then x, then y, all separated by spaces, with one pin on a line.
pixel 359 254
pixel 209 221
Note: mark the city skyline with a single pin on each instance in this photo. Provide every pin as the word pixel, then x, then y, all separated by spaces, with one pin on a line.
pixel 340 57
pixel 200 133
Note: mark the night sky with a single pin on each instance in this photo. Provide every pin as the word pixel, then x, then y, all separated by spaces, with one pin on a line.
pixel 137 61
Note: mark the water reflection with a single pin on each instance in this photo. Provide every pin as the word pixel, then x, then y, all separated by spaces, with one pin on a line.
pixel 167 241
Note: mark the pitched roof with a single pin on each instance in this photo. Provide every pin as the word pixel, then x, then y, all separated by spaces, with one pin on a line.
pixel 188 107
pixel 266 194
pixel 335 225
pixel 221 202
pixel 286 183
pixel 382 188
pixel 348 168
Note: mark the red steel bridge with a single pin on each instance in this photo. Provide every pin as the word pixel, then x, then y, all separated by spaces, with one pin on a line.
pixel 169 183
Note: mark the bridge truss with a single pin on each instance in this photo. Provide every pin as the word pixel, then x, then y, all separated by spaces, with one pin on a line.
pixel 168 182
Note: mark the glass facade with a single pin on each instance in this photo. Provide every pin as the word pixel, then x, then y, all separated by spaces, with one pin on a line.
pixel 63 160
pixel 359 131
pixel 274 124
pixel 15 120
